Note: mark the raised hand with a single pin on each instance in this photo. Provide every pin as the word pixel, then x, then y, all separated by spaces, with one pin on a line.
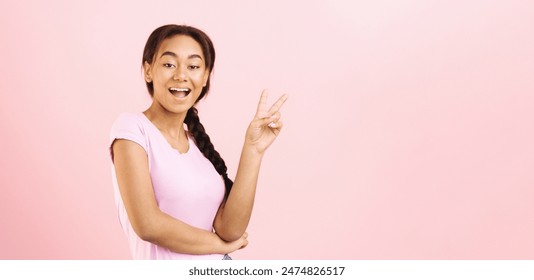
pixel 266 124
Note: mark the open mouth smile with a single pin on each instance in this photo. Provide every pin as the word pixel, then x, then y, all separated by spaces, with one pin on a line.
pixel 179 92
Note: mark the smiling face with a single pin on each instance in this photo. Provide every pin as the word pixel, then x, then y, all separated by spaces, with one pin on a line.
pixel 178 73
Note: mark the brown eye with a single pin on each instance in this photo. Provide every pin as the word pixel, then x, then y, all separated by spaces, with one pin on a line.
pixel 169 65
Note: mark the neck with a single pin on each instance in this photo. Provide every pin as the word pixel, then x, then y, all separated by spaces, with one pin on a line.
pixel 167 122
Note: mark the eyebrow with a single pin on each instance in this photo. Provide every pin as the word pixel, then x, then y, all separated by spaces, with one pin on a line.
pixel 175 55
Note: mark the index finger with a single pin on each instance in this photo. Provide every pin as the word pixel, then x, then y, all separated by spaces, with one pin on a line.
pixel 262 105
pixel 278 104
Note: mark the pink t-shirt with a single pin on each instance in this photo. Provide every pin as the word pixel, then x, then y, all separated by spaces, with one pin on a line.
pixel 186 186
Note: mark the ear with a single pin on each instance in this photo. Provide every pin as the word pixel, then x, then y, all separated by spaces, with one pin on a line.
pixel 206 77
pixel 147 71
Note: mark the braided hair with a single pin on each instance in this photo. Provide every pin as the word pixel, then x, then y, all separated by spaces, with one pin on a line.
pixel 195 128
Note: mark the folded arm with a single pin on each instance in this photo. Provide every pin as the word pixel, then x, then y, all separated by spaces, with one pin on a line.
pixel 148 221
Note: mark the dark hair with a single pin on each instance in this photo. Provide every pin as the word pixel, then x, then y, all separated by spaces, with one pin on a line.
pixel 195 128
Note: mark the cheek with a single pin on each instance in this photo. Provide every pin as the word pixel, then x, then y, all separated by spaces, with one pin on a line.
pixel 163 74
pixel 198 80
pixel 160 82
pixel 204 79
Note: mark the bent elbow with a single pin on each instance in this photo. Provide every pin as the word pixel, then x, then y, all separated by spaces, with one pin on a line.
pixel 228 231
pixel 146 234
pixel 145 231
pixel 230 236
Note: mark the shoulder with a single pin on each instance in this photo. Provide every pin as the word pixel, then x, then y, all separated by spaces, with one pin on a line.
pixel 129 126
pixel 129 122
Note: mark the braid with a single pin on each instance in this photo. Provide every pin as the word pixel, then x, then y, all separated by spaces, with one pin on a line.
pixel 206 147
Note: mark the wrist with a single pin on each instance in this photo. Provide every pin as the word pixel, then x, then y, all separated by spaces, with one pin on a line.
pixel 250 149
pixel 221 247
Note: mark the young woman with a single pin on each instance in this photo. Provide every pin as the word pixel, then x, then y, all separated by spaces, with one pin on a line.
pixel 173 193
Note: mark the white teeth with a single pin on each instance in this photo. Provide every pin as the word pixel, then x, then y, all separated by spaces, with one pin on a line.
pixel 179 89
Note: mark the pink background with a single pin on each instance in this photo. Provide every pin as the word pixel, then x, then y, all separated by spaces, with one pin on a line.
pixel 409 129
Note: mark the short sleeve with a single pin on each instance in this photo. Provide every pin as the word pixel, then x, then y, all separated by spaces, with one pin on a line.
pixel 127 126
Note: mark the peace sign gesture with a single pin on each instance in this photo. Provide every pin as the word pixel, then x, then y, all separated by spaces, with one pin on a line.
pixel 266 124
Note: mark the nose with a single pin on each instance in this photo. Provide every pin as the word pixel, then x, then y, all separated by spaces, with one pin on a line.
pixel 179 74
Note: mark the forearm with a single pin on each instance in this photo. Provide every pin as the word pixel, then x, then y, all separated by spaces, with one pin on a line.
pixel 180 237
pixel 234 216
